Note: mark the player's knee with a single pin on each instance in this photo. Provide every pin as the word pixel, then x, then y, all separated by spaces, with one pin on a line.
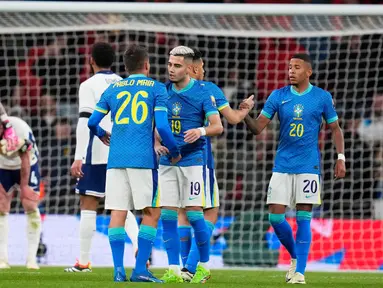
pixel 276 219
pixel 182 218
pixel 153 213
pixel 29 205
pixel 211 214
pixel 88 202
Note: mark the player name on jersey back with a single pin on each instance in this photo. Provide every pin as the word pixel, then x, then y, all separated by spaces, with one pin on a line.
pixel 89 94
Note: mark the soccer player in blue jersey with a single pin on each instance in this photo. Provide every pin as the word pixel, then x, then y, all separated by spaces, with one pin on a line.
pixel 183 185
pixel 136 103
pixel 296 174
pixel 190 260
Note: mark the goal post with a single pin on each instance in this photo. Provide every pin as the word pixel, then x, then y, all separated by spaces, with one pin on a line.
pixel 44 49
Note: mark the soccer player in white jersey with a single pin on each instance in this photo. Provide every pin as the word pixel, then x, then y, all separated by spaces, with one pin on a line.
pixel 19 171
pixel 301 108
pixel 91 155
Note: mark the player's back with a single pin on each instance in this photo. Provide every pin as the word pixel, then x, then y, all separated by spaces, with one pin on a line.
pixel 23 131
pixel 89 94
pixel 186 111
pixel 132 102
pixel 300 116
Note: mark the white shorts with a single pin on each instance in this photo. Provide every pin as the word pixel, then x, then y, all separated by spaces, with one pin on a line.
pixel 291 189
pixel 182 186
pixel 131 189
pixel 212 191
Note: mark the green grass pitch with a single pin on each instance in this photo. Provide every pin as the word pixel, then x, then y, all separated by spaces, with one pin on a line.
pixel 102 278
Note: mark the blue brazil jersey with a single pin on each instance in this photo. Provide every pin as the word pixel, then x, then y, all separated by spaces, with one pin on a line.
pixel 221 103
pixel 132 102
pixel 300 116
pixel 187 109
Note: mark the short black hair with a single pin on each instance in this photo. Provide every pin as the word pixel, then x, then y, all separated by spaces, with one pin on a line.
pixel 197 54
pixel 135 57
pixel 303 56
pixel 103 54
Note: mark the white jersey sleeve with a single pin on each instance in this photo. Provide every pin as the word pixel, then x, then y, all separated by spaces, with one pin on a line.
pixel 23 131
pixel 88 147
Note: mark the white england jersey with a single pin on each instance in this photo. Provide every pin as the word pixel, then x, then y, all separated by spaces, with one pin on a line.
pixel 89 148
pixel 23 131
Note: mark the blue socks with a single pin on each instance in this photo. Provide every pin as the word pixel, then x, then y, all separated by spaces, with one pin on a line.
pixel 303 239
pixel 186 242
pixel 284 232
pixel 170 235
pixel 201 234
pixel 117 238
pixel 193 259
pixel 146 238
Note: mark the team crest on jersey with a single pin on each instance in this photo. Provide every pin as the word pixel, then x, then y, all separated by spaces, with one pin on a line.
pixel 176 108
pixel 213 101
pixel 298 111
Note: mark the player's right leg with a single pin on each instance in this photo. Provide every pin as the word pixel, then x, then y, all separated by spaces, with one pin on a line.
pixel 170 187
pixel 185 232
pixel 279 196
pixel 5 207
pixel 194 200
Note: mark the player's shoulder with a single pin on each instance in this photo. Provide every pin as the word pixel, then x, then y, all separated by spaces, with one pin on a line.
pixel 18 123
pixel 323 94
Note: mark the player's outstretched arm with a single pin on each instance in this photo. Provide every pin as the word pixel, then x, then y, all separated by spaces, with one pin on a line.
pixel 94 126
pixel 256 126
pixel 337 135
pixel 234 116
pixel 162 125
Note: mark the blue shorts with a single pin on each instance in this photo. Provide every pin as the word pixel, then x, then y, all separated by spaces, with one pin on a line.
pixel 11 178
pixel 93 181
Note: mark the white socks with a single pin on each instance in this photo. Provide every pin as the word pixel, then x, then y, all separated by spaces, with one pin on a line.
pixel 33 234
pixel 4 238
pixel 131 228
pixel 87 229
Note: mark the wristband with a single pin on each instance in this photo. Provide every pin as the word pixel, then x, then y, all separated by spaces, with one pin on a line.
pixel 341 157
pixel 203 131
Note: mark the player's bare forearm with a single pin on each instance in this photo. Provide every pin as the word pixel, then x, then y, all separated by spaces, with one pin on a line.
pixel 234 116
pixel 337 136
pixel 256 126
pixel 25 169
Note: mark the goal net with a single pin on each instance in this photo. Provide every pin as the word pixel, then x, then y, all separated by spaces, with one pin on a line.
pixel 44 53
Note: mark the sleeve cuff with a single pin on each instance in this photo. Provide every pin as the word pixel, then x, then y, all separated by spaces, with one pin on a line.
pixel 101 110
pixel 223 106
pixel 331 120
pixel 211 113
pixel 264 113
pixel 159 108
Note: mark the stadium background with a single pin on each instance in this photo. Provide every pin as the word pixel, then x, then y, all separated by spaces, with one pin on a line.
pixel 39 78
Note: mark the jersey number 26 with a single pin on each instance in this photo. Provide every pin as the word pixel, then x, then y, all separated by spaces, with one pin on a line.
pixel 136 105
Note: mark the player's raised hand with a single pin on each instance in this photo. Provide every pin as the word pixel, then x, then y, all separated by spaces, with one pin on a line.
pixel 340 169
pixel 192 135
pixel 176 160
pixel 76 170
pixel 106 138
pixel 247 104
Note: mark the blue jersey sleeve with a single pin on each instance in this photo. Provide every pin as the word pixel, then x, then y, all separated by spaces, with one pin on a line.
pixel 209 106
pixel 220 98
pixel 103 105
pixel 161 98
pixel 271 105
pixel 329 112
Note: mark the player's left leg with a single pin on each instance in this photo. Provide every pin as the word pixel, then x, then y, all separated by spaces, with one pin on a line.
pixel 185 232
pixel 30 196
pixel 307 194
pixel 194 200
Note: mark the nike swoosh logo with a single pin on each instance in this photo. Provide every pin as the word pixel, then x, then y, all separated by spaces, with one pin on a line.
pixel 192 198
pixel 285 101
pixel 309 196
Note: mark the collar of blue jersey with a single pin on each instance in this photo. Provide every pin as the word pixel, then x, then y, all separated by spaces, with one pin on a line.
pixel 186 88
pixel 105 72
pixel 136 75
pixel 303 93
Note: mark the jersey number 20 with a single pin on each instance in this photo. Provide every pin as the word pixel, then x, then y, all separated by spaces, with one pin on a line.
pixel 296 130
pixel 134 107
